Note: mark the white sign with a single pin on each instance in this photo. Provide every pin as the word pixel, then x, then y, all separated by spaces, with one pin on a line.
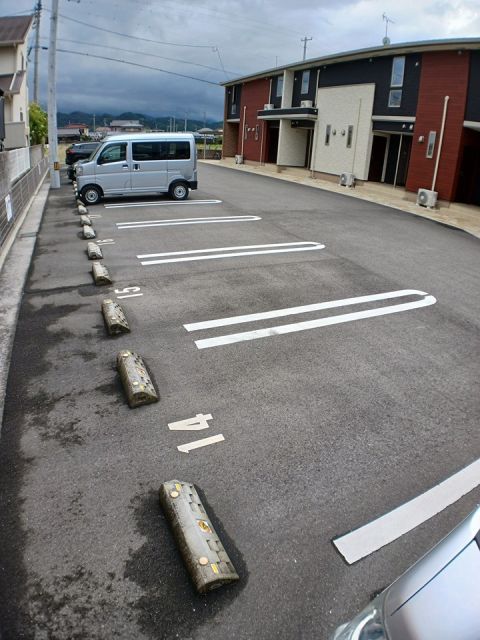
pixel 8 205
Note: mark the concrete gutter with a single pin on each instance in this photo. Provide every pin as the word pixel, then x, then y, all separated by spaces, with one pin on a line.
pixel 14 266
pixel 454 215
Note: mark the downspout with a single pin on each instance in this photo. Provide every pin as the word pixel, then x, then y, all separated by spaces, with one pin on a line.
pixel 440 142
pixel 398 160
pixel 316 133
pixel 243 128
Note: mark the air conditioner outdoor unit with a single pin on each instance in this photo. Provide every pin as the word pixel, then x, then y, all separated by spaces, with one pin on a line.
pixel 347 180
pixel 427 198
pixel 268 107
pixel 306 104
pixel 238 159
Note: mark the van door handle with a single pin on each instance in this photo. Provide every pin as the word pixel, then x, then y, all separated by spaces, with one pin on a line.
pixel 125 166
pixel 136 167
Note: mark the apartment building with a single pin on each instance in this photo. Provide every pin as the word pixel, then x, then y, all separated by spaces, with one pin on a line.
pixel 403 114
pixel 14 32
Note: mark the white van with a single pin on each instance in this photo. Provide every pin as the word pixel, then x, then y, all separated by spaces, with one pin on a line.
pixel 138 164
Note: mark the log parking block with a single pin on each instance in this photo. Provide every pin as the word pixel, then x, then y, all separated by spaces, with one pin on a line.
pixel 93 251
pixel 100 274
pixel 85 220
pixel 88 232
pixel 114 317
pixel 202 551
pixel 82 209
pixel 136 381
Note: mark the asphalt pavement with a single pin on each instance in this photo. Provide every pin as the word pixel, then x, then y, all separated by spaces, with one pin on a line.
pixel 327 424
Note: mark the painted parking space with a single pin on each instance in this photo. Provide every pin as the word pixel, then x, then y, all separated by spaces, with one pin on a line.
pixel 157 203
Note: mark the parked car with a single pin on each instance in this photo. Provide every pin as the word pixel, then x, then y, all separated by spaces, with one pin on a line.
pixel 71 169
pixel 438 598
pixel 139 164
pixel 80 151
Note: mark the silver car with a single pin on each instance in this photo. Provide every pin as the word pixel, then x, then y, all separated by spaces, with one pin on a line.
pixel 436 599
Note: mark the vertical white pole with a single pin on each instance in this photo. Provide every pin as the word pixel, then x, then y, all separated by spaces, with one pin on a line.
pixel 398 160
pixel 52 101
pixel 440 142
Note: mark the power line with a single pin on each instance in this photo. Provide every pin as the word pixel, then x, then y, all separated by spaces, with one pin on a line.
pixel 151 55
pixel 126 35
pixel 137 64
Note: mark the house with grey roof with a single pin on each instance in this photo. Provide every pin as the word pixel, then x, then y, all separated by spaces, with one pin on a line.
pixel 14 31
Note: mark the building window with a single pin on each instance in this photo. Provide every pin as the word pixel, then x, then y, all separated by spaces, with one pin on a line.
pixel 305 82
pixel 279 91
pixel 349 135
pixel 234 93
pixel 233 110
pixel 395 98
pixel 431 143
pixel 328 130
pixel 257 131
pixel 398 69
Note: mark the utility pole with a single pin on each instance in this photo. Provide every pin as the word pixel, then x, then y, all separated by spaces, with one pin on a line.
pixel 38 10
pixel 305 40
pixel 52 100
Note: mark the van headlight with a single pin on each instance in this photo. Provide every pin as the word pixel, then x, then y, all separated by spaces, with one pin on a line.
pixel 368 625
pixel 78 169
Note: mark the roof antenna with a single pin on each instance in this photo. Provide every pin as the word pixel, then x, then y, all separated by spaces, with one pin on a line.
pixel 386 39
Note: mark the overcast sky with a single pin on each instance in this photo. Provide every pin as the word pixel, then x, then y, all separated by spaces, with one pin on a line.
pixel 213 40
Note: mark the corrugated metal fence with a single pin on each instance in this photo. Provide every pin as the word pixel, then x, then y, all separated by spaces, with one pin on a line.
pixel 29 168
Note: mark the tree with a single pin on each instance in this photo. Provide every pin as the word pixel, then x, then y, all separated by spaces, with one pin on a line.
pixel 38 124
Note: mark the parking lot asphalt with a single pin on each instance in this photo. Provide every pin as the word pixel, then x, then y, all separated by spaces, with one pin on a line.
pixel 327 424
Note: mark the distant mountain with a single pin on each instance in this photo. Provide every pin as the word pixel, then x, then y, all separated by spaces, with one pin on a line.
pixel 150 122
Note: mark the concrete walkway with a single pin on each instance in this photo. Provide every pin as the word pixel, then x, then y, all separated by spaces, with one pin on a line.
pixel 460 216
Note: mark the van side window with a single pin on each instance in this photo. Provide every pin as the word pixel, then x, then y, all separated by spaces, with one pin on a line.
pixel 178 150
pixel 113 153
pixel 148 151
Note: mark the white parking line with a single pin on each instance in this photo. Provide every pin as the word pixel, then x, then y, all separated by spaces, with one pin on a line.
pixel 171 223
pixel 161 204
pixel 290 311
pixel 191 424
pixel 427 300
pixel 374 535
pixel 233 252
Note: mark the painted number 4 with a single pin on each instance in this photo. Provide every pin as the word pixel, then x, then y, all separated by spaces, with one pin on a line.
pixel 128 292
pixel 199 422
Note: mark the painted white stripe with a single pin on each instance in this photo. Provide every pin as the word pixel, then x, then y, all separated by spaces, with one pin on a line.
pixel 191 424
pixel 175 222
pixel 312 324
pixel 185 448
pixel 280 313
pixel 193 254
pixel 130 295
pixel 161 204
pixel 374 535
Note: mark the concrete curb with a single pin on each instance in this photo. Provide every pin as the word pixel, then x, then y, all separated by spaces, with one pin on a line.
pixel 13 274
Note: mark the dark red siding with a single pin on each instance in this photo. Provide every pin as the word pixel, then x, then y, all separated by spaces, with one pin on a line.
pixel 443 74
pixel 255 95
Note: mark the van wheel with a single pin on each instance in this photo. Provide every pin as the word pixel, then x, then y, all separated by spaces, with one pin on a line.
pixel 179 191
pixel 91 194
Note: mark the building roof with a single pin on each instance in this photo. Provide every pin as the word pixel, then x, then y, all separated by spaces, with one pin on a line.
pixel 401 48
pixel 14 29
pixel 125 123
pixel 12 82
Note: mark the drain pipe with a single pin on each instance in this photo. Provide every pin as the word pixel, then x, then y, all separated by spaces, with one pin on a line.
pixel 440 142
pixel 243 129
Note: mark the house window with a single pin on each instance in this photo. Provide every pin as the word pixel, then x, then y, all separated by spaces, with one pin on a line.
pixel 349 135
pixel 398 69
pixel 328 131
pixel 305 82
pixel 279 91
pixel 395 98
pixel 233 110
pixel 431 143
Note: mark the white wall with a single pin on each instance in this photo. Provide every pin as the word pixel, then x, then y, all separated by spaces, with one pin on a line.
pixel 292 145
pixel 288 77
pixel 8 56
pixel 341 107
